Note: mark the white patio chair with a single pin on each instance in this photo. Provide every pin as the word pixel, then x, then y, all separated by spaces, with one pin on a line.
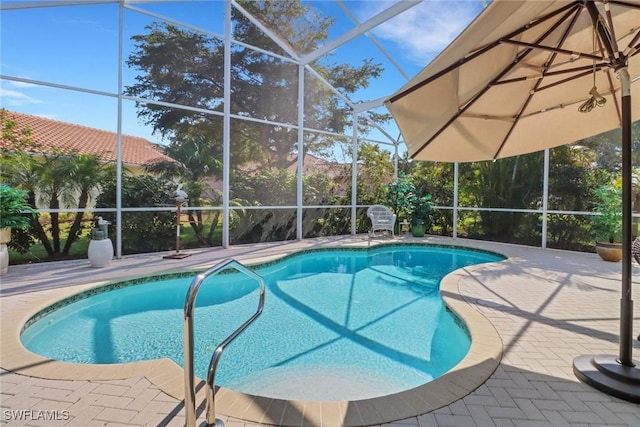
pixel 381 219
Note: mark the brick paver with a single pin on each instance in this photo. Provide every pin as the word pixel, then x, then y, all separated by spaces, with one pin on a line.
pixel 548 307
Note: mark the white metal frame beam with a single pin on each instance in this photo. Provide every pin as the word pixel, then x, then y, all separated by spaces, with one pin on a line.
pixel 283 44
pixel 360 29
pixel 359 109
pixel 374 40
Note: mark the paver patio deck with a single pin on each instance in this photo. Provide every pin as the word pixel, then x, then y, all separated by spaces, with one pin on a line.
pixel 548 307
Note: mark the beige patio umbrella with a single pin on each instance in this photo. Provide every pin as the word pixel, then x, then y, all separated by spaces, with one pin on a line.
pixel 526 76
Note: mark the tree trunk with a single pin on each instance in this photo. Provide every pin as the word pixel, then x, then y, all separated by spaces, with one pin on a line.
pixel 77 223
pixel 196 225
pixel 212 229
pixel 37 227
pixel 55 224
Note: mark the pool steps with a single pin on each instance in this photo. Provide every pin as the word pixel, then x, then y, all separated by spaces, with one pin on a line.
pixel 189 375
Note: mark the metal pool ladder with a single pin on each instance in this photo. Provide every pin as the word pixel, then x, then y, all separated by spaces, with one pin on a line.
pixel 189 378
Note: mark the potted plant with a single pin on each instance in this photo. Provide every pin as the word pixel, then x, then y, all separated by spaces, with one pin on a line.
pixel 421 215
pixel 13 205
pixel 607 222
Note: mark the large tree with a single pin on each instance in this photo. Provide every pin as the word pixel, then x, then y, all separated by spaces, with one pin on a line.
pixel 184 67
pixel 194 162
pixel 374 173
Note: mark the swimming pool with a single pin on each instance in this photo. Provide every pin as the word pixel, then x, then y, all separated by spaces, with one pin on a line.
pixel 380 308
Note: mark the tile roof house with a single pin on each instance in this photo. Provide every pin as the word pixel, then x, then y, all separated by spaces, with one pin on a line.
pixel 311 165
pixel 339 172
pixel 50 134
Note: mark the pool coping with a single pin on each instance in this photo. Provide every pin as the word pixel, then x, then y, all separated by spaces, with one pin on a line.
pixel 476 367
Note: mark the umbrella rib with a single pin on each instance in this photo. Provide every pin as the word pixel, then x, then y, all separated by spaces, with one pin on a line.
pixel 607 42
pixel 604 34
pixel 631 49
pixel 615 99
pixel 568 79
pixel 588 68
pixel 611 46
pixel 482 50
pixel 614 41
pixel 545 68
pixel 609 55
pixel 574 11
pixel 604 45
pixel 439 74
pixel 553 49
pixel 624 4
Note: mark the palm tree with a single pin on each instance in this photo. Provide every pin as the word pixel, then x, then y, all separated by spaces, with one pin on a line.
pixel 195 162
pixel 87 173
pixel 24 171
pixel 56 186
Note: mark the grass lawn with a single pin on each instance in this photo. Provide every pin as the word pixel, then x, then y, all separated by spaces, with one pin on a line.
pixel 80 247
pixel 37 253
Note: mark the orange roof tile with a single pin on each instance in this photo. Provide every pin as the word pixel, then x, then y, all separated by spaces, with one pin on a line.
pixel 50 134
pixel 311 165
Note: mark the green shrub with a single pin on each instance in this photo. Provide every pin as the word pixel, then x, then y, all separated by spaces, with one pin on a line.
pixel 15 212
pixel 142 231
pixel 607 223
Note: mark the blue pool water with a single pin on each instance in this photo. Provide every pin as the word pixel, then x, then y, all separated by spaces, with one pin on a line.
pixel 337 324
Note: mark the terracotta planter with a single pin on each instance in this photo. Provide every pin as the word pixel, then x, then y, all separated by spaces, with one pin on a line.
pixel 611 252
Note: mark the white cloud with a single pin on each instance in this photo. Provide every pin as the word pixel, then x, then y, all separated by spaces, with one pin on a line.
pixel 12 83
pixel 427 28
pixel 16 98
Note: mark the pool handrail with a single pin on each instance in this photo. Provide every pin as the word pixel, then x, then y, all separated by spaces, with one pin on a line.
pixel 189 375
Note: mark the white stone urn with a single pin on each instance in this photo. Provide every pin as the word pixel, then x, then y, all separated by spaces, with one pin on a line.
pixel 5 237
pixel 100 250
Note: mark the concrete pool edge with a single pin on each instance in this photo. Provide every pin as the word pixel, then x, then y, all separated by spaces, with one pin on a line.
pixel 480 362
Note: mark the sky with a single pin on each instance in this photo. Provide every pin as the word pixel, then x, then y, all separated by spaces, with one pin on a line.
pixel 77 46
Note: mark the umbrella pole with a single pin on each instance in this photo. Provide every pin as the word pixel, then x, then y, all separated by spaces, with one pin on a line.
pixel 619 376
pixel 626 303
